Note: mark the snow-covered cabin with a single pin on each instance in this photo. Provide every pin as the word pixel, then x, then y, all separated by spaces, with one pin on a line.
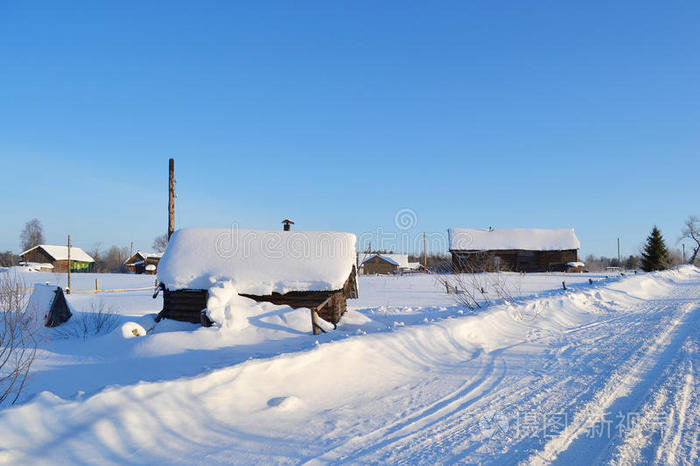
pixel 516 249
pixel 387 264
pixel 312 269
pixel 140 262
pixel 57 258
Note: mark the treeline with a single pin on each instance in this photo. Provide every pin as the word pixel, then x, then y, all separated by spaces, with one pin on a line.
pixel 110 260
pixel 436 262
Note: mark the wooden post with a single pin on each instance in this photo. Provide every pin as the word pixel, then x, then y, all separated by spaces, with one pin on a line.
pixel 171 198
pixel 97 284
pixel 68 287
pixel 314 321
pixel 563 284
pixel 425 253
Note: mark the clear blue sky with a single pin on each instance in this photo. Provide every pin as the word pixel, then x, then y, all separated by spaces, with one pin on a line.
pixel 339 114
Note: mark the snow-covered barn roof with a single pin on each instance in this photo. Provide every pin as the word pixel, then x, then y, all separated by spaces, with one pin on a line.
pixel 258 262
pixel 60 253
pixel 527 239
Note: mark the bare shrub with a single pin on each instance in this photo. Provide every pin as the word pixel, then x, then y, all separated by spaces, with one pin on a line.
pixel 472 287
pixel 98 320
pixel 18 338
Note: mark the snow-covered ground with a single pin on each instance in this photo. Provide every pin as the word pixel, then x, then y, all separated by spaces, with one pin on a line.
pixel 606 372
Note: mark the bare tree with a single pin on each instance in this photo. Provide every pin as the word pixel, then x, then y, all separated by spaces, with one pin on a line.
pixel 111 261
pixel 160 243
pixel 7 259
pixel 18 342
pixel 692 232
pixel 32 235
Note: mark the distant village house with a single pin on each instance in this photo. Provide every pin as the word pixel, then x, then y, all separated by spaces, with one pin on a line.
pixel 50 258
pixel 385 264
pixel 143 262
pixel 517 249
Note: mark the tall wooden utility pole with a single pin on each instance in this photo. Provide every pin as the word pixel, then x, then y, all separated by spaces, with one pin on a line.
pixel 171 199
pixel 619 257
pixel 68 287
pixel 425 253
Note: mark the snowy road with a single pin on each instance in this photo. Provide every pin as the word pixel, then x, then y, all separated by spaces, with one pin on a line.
pixel 620 389
pixel 602 374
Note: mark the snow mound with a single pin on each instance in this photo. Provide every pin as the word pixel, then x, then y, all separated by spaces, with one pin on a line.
pixel 233 312
pixel 132 329
pixel 227 308
pixel 258 262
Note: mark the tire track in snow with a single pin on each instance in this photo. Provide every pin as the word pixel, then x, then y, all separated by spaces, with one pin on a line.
pixel 667 451
pixel 664 419
pixel 455 433
pixel 628 387
pixel 461 436
pixel 683 414
pixel 456 401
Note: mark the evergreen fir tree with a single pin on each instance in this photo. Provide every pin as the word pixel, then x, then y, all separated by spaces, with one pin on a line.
pixel 655 254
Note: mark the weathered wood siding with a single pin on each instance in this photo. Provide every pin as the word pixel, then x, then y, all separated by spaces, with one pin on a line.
pixel 187 305
pixel 378 265
pixel 37 255
pixel 513 260
pixel 184 305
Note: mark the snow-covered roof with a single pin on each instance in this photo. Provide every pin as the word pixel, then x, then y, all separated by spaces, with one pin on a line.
pixel 527 239
pixel 144 255
pixel 400 260
pixel 575 264
pixel 60 253
pixel 258 262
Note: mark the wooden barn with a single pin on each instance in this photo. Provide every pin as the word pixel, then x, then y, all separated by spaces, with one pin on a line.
pixel 517 249
pixel 55 258
pixel 384 264
pixel 143 262
pixel 314 270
